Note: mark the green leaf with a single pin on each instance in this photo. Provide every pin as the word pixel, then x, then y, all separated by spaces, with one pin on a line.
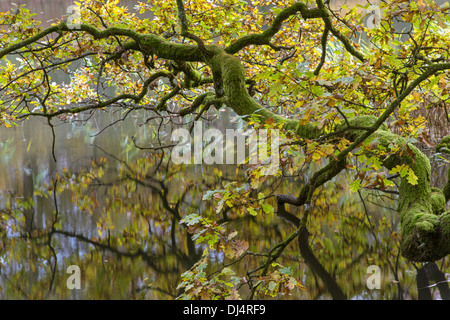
pixel 209 194
pixel 252 211
pixel 318 91
pixel 286 270
pixel 355 186
pixel 272 285
pixel 267 208
pixel 191 219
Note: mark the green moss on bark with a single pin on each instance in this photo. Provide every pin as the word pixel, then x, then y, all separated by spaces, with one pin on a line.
pixel 444 146
pixel 232 74
pixel 420 207
pixel 437 200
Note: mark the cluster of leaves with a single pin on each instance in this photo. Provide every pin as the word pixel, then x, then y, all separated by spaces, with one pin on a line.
pixel 196 285
pixel 340 90
pixel 209 232
pixel 12 219
pixel 225 283
pixel 369 167
pixel 280 281
pixel 235 196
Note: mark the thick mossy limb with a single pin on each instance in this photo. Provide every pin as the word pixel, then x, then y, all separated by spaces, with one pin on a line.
pixel 420 206
pixel 425 229
pixel 446 189
pixel 444 146
pixel 438 201
pixel 229 68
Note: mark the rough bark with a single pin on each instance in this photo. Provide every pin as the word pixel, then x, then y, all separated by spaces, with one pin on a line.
pixel 444 146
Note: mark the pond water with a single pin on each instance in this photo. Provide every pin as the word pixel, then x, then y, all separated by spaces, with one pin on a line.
pixel 116 215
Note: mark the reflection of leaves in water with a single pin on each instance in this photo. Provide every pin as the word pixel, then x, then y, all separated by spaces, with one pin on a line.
pixel 129 149
pixel 121 222
pixel 7 150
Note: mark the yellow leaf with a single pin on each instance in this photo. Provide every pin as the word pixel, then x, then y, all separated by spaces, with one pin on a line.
pixel 412 178
pixel 316 156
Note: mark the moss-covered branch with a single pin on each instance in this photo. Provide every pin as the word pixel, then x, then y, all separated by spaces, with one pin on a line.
pixel 346 41
pixel 103 104
pixel 232 75
pixel 265 37
pixel 425 228
pixel 444 146
pixel 29 41
pixel 149 43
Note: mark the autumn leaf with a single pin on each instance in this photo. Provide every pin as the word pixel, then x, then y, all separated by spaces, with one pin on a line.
pixel 412 178
pixel 355 186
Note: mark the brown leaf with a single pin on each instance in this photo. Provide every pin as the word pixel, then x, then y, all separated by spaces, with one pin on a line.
pixel 425 139
pixel 270 121
pixel 240 246
pixel 377 64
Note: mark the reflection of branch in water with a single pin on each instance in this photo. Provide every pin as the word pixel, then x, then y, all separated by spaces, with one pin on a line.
pixel 113 123
pixel 179 244
pixel 49 240
pixel 149 258
pixel 16 286
pixel 159 188
pixel 376 193
pixel 145 288
pixel 308 256
pixel 428 272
